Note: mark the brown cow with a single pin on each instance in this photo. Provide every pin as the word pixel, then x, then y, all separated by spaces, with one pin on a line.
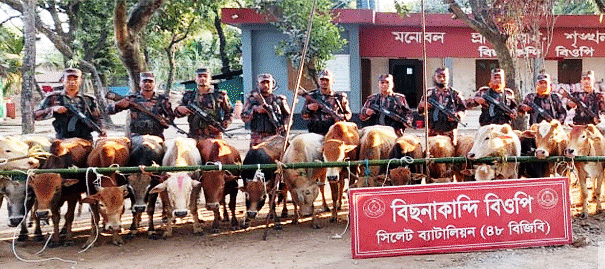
pixel 303 184
pixel 551 140
pixel 51 191
pixel 587 140
pixel 73 151
pixel 180 192
pixel 463 172
pixel 217 184
pixel 376 143
pixel 108 151
pixel 255 187
pixel 111 207
pixel 340 144
pixel 440 146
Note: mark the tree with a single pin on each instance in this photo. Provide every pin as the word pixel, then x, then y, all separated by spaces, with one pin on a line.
pixel 11 62
pixel 292 17
pixel 127 29
pixel 79 32
pixel 29 65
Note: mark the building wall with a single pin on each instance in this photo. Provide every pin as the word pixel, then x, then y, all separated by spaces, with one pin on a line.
pixel 379 66
pixel 595 64
pixel 464 76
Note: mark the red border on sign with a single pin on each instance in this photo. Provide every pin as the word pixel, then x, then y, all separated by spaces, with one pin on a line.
pixel 551 209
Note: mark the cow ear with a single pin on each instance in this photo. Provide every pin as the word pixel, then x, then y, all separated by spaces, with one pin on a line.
pixel 91 199
pixel 159 188
pixel 125 190
pixel 69 182
pixel 196 183
pixel 349 148
pixel 534 127
pixel 506 129
pixel 555 123
pixel 592 129
pixel 528 133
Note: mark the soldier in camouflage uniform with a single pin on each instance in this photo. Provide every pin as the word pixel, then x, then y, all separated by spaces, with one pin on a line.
pixel 140 122
pixel 262 123
pixel 593 100
pixel 319 121
pixel 214 102
pixel 388 100
pixel 439 122
pixel 490 113
pixel 545 99
pixel 66 123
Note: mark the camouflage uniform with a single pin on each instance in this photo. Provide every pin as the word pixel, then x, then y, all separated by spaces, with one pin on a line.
pixel 141 123
pixel 595 103
pixel 439 123
pixel 551 104
pixel 394 102
pixel 216 103
pixel 319 121
pixel 68 125
pixel 260 124
pixel 491 114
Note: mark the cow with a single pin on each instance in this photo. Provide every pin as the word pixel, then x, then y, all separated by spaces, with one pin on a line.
pixel 15 154
pixel 146 150
pixel 255 187
pixel 463 172
pixel 528 148
pixel 111 207
pixel 340 143
pixel 440 146
pixel 587 140
pixel 376 142
pixel 407 146
pixel 304 184
pixel 19 205
pixel 52 191
pixel 109 151
pixel 551 140
pixel 497 140
pixel 217 184
pixel 180 192
pixel 72 151
pixel 36 140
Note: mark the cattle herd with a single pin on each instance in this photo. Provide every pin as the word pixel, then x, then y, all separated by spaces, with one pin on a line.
pixel 43 194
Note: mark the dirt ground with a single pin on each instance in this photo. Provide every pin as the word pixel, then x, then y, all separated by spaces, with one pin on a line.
pixel 296 246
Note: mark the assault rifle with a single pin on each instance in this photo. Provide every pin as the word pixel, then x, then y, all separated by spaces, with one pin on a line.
pixel 581 105
pixel 207 118
pixel 391 115
pixel 542 112
pixel 162 121
pixel 497 103
pixel 270 112
pixel 323 105
pixel 79 115
pixel 450 114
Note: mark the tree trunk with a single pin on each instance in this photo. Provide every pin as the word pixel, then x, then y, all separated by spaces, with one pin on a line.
pixel 29 65
pixel 99 90
pixel 127 30
pixel 170 55
pixel 222 43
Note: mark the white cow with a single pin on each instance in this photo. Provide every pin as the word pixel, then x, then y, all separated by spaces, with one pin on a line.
pixel 497 140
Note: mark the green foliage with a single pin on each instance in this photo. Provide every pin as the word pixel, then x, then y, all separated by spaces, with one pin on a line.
pixel 11 48
pixel 293 18
pixel 580 7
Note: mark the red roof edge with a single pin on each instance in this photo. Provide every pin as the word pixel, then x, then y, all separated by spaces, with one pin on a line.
pixel 243 16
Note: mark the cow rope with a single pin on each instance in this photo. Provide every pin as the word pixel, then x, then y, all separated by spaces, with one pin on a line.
pixel 219 164
pixel 97 182
pixel 30 173
pixel 405 159
pixel 34 152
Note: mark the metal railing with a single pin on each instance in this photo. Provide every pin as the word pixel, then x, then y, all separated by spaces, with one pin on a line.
pixel 317 164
